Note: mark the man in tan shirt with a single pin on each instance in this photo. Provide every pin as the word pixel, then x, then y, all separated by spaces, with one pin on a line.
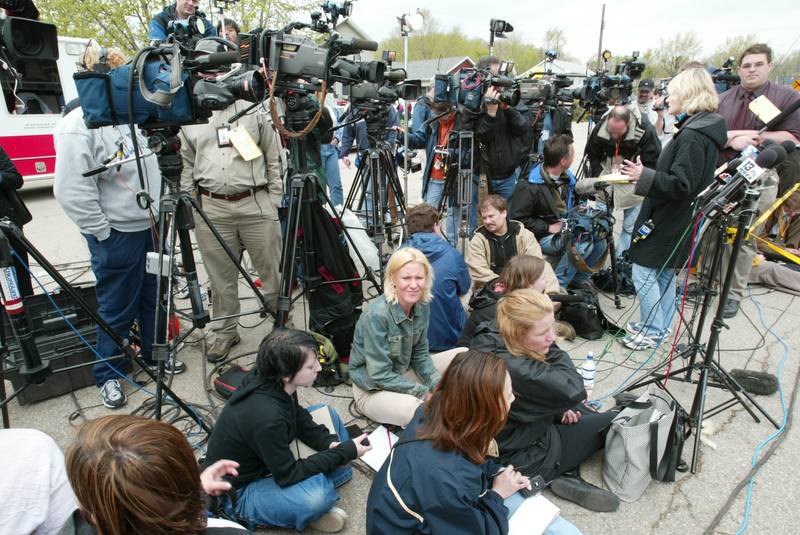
pixel 241 199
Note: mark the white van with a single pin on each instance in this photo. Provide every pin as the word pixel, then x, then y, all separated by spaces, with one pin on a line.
pixel 27 122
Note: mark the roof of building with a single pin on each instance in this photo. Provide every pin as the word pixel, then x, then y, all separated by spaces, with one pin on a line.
pixel 425 69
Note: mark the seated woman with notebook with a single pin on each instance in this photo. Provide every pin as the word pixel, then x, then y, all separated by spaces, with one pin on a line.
pixel 438 478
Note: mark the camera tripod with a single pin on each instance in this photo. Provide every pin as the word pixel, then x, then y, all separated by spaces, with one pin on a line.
pixel 376 189
pixel 175 221
pixel 33 370
pixel 707 367
pixel 303 193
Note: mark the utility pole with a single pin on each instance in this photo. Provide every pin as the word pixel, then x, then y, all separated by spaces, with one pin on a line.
pixel 600 43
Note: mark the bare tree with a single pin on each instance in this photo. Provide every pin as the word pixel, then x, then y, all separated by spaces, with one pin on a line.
pixel 674 53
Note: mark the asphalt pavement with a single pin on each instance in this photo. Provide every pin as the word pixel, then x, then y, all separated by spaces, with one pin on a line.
pixel 761 337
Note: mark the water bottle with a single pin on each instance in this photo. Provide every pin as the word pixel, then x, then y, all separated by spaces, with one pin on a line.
pixel 587 372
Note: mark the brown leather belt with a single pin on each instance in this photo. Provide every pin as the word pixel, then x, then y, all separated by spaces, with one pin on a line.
pixel 233 196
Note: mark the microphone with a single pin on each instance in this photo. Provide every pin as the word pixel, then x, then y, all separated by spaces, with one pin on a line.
pixel 727 168
pixel 746 173
pixel 778 119
pixel 789 146
pixel 780 153
pixel 219 58
pixel 361 44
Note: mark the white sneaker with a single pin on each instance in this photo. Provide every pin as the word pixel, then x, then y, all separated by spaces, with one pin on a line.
pixel 331 522
pixel 639 342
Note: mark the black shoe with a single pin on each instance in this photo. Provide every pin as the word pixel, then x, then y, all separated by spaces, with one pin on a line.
pixel 731 308
pixel 576 489
pixel 694 290
pixel 579 286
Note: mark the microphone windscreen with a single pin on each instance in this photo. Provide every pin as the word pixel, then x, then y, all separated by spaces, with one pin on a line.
pixel 789 146
pixel 364 44
pixel 222 58
pixel 766 143
pixel 767 159
pixel 781 153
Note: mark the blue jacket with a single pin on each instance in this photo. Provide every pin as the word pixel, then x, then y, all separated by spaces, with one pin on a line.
pixel 451 494
pixel 426 136
pixel 422 112
pixel 450 280
pixel 157 29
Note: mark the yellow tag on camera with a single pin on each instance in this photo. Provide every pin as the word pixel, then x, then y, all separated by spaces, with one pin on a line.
pixel 244 144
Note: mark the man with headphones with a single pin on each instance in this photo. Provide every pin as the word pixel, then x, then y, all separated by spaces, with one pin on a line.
pixel 236 170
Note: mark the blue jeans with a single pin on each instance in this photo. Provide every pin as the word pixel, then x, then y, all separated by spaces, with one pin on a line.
pixel 505 187
pixel 629 220
pixel 559 526
pixel 433 193
pixel 265 503
pixel 124 293
pixel 656 295
pixel 330 164
pixel 591 252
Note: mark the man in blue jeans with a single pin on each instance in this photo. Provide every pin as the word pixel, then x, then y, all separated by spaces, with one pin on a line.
pixel 118 234
pixel 539 205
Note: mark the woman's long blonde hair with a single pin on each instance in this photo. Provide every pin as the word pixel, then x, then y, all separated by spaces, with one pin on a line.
pixel 516 314
pixel 400 258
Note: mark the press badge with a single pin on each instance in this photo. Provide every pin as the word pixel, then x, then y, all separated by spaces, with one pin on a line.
pixel 244 144
pixel 223 136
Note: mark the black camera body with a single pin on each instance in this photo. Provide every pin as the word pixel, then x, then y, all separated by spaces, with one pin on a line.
pixel 467 88
pixel 602 87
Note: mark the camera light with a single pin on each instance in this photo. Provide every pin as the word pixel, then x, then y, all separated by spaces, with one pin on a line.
pixel 415 21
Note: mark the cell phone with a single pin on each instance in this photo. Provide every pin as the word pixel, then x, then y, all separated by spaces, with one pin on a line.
pixel 537 485
pixel 355 431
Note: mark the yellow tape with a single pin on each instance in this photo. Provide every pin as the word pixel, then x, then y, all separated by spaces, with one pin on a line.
pixel 763 217
pixel 783 252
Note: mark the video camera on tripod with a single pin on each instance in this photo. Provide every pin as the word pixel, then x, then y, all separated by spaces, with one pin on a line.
pixel 602 87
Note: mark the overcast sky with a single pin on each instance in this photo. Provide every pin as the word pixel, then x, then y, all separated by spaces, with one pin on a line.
pixel 630 24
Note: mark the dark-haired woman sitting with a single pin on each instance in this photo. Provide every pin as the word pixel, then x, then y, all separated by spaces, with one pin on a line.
pixel 438 480
pixel 258 427
pixel 522 271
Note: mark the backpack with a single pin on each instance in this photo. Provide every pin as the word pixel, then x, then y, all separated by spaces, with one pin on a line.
pixel 586 317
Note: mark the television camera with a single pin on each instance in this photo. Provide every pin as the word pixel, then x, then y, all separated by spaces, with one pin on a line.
pixel 723 76
pixel 467 89
pixel 601 88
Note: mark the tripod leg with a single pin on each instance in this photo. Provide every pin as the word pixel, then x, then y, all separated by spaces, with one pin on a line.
pixel 288 254
pixel 185 222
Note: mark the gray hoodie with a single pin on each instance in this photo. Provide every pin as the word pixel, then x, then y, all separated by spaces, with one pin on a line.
pixel 108 200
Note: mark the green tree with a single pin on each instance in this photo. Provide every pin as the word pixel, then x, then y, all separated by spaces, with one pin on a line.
pixel 674 53
pixel 123 23
pixel 787 68
pixel 731 47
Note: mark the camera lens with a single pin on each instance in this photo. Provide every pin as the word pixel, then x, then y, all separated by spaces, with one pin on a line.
pixel 248 86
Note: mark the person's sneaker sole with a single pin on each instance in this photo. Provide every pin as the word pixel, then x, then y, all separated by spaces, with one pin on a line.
pixel 331 522
pixel 584 494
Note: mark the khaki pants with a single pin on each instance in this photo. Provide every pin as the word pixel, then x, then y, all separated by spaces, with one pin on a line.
pixel 236 221
pixel 744 261
pixel 395 408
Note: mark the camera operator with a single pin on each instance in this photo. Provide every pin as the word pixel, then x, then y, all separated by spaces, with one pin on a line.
pixel 157 30
pixel 241 198
pixel 498 128
pixel 665 123
pixel 422 109
pixel 118 232
pixel 755 65
pixel 644 103
pixel 539 205
pixel 618 137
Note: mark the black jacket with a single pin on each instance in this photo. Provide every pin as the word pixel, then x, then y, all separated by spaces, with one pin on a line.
pixel 534 206
pixel 685 167
pixel 543 391
pixel 452 494
pixel 498 134
pixel 257 428
pixel 484 306
pixel 600 145
pixel 10 180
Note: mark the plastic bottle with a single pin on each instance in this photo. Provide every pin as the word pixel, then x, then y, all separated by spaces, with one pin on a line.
pixel 587 372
